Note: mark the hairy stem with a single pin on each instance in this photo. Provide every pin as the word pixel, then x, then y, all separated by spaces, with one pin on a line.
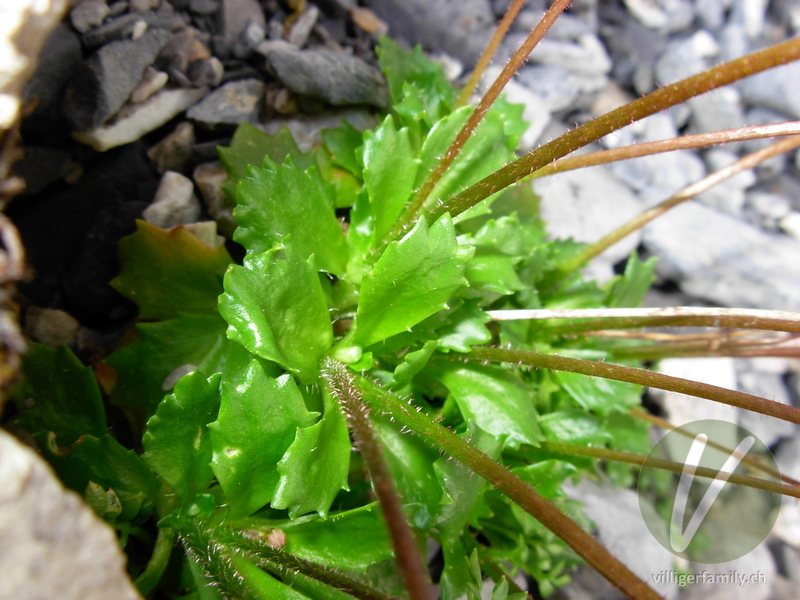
pixel 414 207
pixel 342 386
pixel 668 465
pixel 488 52
pixel 639 377
pixel 660 345
pixel 592 319
pixel 687 193
pixel 512 486
pixel 638 109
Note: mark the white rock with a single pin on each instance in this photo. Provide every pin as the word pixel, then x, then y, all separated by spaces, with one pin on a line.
pixel 152 82
pixel 140 119
pixel 791 224
pixel 174 202
pixel 50 326
pixel 209 177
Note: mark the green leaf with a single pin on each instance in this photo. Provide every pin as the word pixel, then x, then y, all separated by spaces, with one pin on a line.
pixel 353 539
pixel 360 237
pixel 106 462
pixel 283 200
pixel 189 341
pixel 547 476
pixel 389 171
pixel 494 273
pixel 574 427
pixel 630 289
pixel 465 328
pixel 343 143
pixel 258 419
pixel 170 271
pixel 275 307
pixel 602 396
pixel 315 466
pixel 249 146
pixel 461 576
pixel 495 399
pixel 261 585
pixel 59 394
pixel 413 363
pixel 177 443
pixel 412 280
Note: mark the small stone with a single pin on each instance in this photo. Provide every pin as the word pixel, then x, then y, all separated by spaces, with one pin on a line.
pixel 535 113
pixel 711 13
pixel 728 195
pixel 301 28
pixel 229 105
pixel 750 15
pixel 765 385
pixel 141 119
pixel 585 56
pixel 120 28
pixel 204 7
pixel 152 82
pixel 118 8
pixel 767 210
pixel 174 202
pixel 791 224
pixel 206 232
pixel 236 14
pixel 775 89
pixel 184 47
pixel 557 87
pixel 253 34
pixel 173 152
pixel 143 5
pixel 209 178
pixel 664 15
pixel 139 27
pixel 207 72
pixel 335 78
pixel 50 326
pixel 88 14
pixel 368 21
pixel 106 80
pixel 284 103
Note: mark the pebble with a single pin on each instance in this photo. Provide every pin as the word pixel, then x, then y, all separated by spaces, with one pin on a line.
pixel 143 5
pixel 50 326
pixel 253 34
pixel 558 88
pixel 368 21
pixel 209 178
pixel 301 28
pixel 721 259
pixel 729 195
pixel 233 103
pixel 338 79
pixel 88 14
pixel 236 14
pixel 106 80
pixel 121 28
pixel 664 15
pixel 141 119
pixel 152 81
pixel 775 89
pixel 790 224
pixel 174 203
pixel 207 72
pixel 764 385
pixel 585 56
pixel 749 15
pixel 204 7
pixel 766 210
pixel 174 151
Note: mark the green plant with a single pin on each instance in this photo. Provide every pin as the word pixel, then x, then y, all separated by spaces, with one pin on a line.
pixel 394 322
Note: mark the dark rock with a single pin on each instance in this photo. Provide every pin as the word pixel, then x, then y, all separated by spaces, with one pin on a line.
pixel 152 81
pixel 105 81
pixel 121 28
pixel 206 72
pixel 174 202
pixel 250 38
pixel 301 28
pixel 53 227
pixel 88 14
pixel 460 29
pixel 59 58
pixel 204 7
pixel 143 5
pixel 227 106
pixel 184 47
pixel 338 79
pixel 40 166
pixel 115 9
pixel 174 151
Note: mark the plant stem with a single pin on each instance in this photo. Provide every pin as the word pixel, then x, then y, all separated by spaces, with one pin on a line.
pixel 512 486
pixel 639 377
pixel 687 193
pixel 638 109
pixel 488 52
pixel 287 565
pixel 414 207
pixel 669 465
pixel 698 140
pixel 592 319
pixel 639 413
pixel 699 345
pixel 342 386
pixel 165 540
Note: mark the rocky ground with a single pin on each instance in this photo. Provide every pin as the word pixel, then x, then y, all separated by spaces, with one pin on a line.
pixel 135 95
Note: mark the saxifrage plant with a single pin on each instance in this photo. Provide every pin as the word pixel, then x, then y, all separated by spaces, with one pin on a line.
pixel 393 283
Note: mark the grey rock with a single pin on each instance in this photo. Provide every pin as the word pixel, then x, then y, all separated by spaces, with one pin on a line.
pixel 152 81
pixel 729 195
pixel 207 72
pixel 143 5
pixel 122 28
pixel 762 116
pixel 301 28
pixel 733 42
pixel 586 205
pixel 634 50
pixel 757 564
pixel 664 15
pixel 236 14
pixel 766 210
pixel 715 110
pixel 105 81
pixel 335 78
pixel 749 15
pixel 50 326
pixel 558 88
pixel 204 7
pixel 586 55
pixel 765 385
pixel 788 12
pixel 173 152
pixel 250 38
pixel 460 29
pixel 139 119
pixel 117 8
pixel 174 202
pixel 775 89
pixel 40 166
pixel 723 260
pixel 88 14
pixel 209 178
pixel 54 545
pixel 183 48
pixel 227 106
pixel 711 13
pixel 682 409
pixel 790 224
